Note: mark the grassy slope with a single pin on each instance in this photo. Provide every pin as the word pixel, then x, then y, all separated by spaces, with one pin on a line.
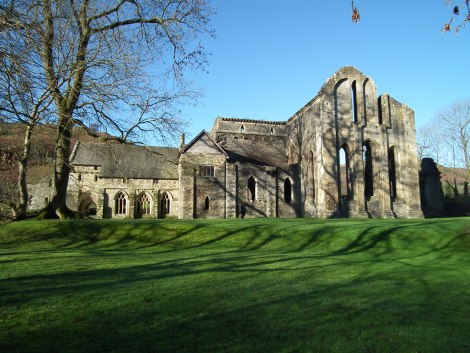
pixel 235 286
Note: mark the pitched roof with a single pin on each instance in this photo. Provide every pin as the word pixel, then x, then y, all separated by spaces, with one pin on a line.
pixel 261 152
pixel 208 143
pixel 125 160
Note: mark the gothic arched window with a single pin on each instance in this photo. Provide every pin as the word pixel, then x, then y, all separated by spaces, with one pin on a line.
pixel 121 203
pixel 354 102
pixel 144 204
pixel 165 204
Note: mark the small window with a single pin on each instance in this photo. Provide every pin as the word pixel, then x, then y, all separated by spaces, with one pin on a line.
pixel 206 171
pixel 207 203
pixel 50 182
pixel 79 177
pixel 251 189
pixel 95 168
pixel 46 201
pixel 242 128
pixel 272 131
pixel 96 177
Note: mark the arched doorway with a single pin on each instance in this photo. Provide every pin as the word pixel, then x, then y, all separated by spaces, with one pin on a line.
pixel 87 207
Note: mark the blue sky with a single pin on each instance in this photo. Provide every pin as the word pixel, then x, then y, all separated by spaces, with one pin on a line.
pixel 270 57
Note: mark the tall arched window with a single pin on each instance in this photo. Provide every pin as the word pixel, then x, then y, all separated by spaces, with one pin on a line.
pixel 121 203
pixel 392 173
pixel 368 170
pixel 287 190
pixel 354 102
pixel 312 171
pixel 165 204
pixel 242 128
pixel 144 204
pixel 251 189
pixel 344 177
pixel 207 204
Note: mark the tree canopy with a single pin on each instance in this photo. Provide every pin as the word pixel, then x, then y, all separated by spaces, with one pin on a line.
pixel 116 65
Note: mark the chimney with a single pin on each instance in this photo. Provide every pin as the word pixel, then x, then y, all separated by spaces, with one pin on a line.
pixel 181 141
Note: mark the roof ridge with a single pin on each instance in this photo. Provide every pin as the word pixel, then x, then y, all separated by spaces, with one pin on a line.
pixel 258 121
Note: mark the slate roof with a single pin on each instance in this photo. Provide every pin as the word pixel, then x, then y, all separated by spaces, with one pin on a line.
pixel 128 161
pixel 270 153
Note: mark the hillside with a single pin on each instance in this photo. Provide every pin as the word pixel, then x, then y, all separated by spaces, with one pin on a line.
pixel 42 150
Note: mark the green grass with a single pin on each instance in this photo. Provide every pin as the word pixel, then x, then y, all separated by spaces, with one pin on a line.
pixel 263 285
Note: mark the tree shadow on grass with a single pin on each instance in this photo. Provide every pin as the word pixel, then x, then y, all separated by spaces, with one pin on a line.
pixel 244 303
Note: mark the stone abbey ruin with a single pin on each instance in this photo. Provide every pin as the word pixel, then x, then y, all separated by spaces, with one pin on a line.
pixel 346 153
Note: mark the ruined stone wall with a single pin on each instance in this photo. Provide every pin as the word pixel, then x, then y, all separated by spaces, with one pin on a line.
pixel 246 126
pixel 303 144
pixel 347 115
pixel 40 194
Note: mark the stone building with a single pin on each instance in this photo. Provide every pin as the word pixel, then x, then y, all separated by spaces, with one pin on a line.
pixel 124 180
pixel 346 153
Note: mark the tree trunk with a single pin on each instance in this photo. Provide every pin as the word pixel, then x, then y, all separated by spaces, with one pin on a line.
pixel 57 208
pixel 20 211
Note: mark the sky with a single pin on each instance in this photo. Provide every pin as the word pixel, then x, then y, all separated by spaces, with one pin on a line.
pixel 270 57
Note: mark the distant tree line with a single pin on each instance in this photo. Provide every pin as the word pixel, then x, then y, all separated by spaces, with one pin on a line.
pixel 446 139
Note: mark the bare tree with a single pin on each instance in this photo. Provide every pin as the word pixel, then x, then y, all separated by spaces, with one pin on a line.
pixel 24 99
pixel 107 62
pixel 458 8
pixel 455 121
pixel 432 142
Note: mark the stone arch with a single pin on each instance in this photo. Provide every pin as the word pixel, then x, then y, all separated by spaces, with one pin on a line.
pixel 166 200
pixel 121 202
pixel 87 206
pixel 144 204
pixel 342 100
pixel 369 101
pixel 287 190
pixel 251 189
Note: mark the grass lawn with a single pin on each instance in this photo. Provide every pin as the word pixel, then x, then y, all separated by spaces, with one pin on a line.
pixel 253 285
